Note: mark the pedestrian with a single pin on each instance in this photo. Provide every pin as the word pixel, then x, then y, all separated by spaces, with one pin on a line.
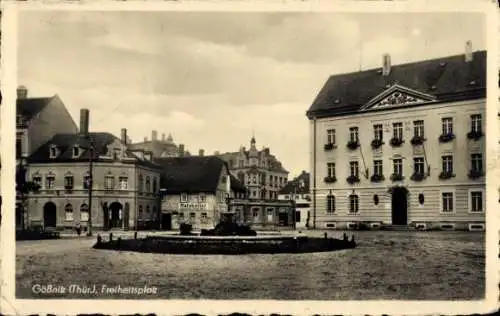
pixel 78 229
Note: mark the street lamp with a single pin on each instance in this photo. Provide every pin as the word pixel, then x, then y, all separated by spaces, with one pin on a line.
pixel 91 148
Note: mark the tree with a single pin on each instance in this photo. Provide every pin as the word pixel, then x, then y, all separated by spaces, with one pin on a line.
pixel 24 188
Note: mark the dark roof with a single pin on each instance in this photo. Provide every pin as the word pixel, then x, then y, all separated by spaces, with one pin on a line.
pixel 295 187
pixel 66 142
pixel 448 79
pixel 190 174
pixel 30 107
pixel 236 185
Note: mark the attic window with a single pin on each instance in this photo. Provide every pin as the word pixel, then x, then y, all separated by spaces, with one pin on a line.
pixel 116 153
pixel 53 152
pixel 76 151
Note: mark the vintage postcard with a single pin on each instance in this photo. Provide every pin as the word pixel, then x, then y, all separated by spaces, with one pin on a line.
pixel 260 157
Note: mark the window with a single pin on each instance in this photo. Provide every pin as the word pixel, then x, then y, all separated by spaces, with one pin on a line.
pixel 376 199
pixel 354 134
pixel 154 185
pixel 254 179
pixel 378 132
pixel 330 169
pixel 148 184
pixel 53 152
pixel 330 136
pixel 181 215
pixel 397 130
pixel 76 152
pixel 447 125
pixel 418 165
pixel 476 123
pixel 254 193
pixel 19 147
pixel 86 181
pixel 421 199
pixel 447 164
pixel 354 167
pixel 330 203
pixel 37 180
pixel 50 182
pixel 116 153
pixel 398 166
pixel 353 203
pixel 147 209
pixel 476 200
pixel 297 216
pixel 184 198
pixel 477 162
pixel 140 184
pixel 447 202
pixel 202 198
pixel 84 212
pixel 123 183
pixel 418 128
pixel 204 217
pixel 141 215
pixel 68 184
pixel 68 211
pixel 109 183
pixel 378 167
pixel 255 212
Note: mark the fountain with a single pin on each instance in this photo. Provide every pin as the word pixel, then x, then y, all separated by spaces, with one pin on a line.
pixel 228 237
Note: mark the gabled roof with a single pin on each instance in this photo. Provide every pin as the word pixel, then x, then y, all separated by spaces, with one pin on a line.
pixel 30 107
pixel 66 142
pixel 193 174
pixel 299 185
pixel 447 79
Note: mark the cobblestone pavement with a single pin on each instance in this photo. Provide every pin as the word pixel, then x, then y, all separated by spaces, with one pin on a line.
pixel 386 265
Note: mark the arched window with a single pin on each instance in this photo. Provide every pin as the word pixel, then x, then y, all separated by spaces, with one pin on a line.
pixel 376 199
pixel 84 212
pixel 68 209
pixel 148 184
pixel 353 203
pixel 140 211
pixel 147 209
pixel 140 184
pixel 421 199
pixel 330 203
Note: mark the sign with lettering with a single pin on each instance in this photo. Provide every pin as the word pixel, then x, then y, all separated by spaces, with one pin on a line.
pixel 193 206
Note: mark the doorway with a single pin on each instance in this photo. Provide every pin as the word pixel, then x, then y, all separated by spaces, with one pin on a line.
pixel 116 215
pixel 283 218
pixel 399 206
pixel 49 215
pixel 166 221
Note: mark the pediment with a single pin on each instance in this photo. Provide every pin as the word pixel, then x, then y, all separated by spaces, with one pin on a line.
pixel 397 96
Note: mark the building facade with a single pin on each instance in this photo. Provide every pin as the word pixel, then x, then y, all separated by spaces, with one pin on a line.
pixel 298 191
pixel 401 145
pixel 125 186
pixel 262 173
pixel 164 147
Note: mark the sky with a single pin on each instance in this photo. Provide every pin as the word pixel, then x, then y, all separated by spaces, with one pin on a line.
pixel 214 79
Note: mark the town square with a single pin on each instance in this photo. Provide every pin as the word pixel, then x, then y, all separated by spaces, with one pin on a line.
pixel 251 155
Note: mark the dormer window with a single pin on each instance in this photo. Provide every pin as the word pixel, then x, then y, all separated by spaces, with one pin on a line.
pixel 116 153
pixel 53 152
pixel 76 151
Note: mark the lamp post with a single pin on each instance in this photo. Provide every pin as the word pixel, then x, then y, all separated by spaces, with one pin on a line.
pixel 90 181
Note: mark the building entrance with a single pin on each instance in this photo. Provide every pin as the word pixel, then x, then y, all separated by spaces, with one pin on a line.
pixel 399 206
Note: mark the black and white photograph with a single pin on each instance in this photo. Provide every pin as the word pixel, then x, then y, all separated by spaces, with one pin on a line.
pixel 282 155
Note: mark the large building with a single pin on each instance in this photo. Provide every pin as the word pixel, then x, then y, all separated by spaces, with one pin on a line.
pixel 125 184
pixel 37 121
pixel 164 147
pixel 401 145
pixel 298 191
pixel 262 173
pixel 196 190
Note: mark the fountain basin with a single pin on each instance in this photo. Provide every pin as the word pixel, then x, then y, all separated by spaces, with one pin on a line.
pixel 229 245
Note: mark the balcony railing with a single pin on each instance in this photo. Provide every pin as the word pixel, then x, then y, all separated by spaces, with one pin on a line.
pixel 475 174
pixel 330 146
pixel 396 142
pixel 353 144
pixel 397 177
pixel 352 179
pixel 331 179
pixel 446 138
pixel 417 140
pixel 377 178
pixel 377 143
pixel 475 135
pixel 417 176
pixel 445 175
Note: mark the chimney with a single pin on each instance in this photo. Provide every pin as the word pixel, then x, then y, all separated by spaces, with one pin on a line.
pixel 201 152
pixel 386 64
pixel 22 92
pixel 84 121
pixel 468 51
pixel 124 136
pixel 154 135
pixel 181 150
pixel 163 138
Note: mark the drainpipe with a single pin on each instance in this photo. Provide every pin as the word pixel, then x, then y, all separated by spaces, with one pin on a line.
pixel 314 173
